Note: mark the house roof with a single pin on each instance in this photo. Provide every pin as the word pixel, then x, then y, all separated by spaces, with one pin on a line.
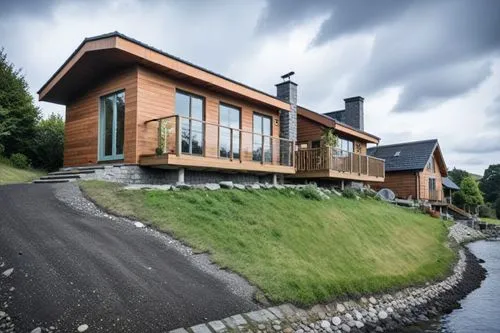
pixel 449 184
pixel 104 53
pixel 409 156
pixel 326 121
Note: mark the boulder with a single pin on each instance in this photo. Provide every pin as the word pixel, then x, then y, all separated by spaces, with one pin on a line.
pixel 226 184
pixel 239 186
pixel 212 187
pixel 336 321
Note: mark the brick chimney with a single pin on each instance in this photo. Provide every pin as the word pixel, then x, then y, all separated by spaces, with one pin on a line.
pixel 287 91
pixel 354 114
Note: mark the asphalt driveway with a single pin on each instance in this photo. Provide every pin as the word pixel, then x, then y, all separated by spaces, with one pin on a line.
pixel 72 269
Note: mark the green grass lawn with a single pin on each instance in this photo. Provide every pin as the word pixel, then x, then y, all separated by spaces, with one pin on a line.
pixel 488 220
pixel 10 174
pixel 295 249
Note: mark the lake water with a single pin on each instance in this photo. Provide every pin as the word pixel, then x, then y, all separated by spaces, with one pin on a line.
pixel 480 310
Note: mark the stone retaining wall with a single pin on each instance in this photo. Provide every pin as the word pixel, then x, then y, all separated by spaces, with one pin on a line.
pixel 133 174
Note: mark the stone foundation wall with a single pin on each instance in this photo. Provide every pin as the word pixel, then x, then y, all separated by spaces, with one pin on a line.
pixel 133 174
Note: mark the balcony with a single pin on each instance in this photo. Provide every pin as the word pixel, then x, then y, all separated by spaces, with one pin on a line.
pixel 326 162
pixel 435 195
pixel 189 142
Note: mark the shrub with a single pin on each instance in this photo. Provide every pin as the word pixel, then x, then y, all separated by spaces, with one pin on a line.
pixel 486 211
pixel 48 143
pixel 350 193
pixel 311 192
pixel 497 208
pixel 2 149
pixel 20 161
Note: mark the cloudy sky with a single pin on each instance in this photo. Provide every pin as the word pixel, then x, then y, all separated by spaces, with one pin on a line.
pixel 427 68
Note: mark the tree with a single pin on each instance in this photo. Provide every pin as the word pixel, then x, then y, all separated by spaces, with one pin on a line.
pixel 48 144
pixel 456 175
pixel 469 196
pixel 329 137
pixel 490 183
pixel 18 114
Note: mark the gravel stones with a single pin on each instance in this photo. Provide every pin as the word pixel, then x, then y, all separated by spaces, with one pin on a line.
pixel 8 272
pixel 83 328
pixel 324 324
pixel 340 308
pixel 382 315
pixel 372 300
pixel 36 330
pixel 336 321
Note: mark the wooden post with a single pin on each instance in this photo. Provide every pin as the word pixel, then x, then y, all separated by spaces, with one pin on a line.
pixel 231 144
pixel 159 136
pixel 262 157
pixel 367 166
pixel 359 165
pixel 292 162
pixel 178 137
pixel 352 161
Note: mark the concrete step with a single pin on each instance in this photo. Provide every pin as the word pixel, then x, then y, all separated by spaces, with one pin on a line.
pixel 51 181
pixel 61 176
pixel 70 172
pixel 91 167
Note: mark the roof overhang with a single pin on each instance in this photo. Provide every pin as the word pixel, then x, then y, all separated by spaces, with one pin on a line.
pixel 442 164
pixel 331 123
pixel 98 56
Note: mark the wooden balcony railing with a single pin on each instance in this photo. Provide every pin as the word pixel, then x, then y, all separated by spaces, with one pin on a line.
pixel 325 158
pixel 181 135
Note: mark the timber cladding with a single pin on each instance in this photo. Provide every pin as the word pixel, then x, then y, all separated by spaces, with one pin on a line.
pixel 156 99
pixel 403 184
pixel 82 120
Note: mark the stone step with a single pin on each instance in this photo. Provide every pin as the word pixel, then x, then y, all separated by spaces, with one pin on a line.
pixel 91 167
pixel 70 172
pixel 61 176
pixel 51 181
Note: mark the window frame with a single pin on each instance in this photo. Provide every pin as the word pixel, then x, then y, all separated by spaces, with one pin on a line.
pixel 262 135
pixel 239 129
pixel 101 140
pixel 191 119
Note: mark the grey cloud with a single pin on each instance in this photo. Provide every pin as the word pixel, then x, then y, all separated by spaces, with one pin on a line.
pixel 434 87
pixel 411 38
pixel 480 145
pixel 23 7
pixel 493 113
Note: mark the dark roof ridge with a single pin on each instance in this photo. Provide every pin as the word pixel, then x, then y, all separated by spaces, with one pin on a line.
pixel 152 48
pixel 405 143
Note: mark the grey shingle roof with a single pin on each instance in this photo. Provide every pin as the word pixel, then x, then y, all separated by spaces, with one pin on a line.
pixel 412 155
pixel 337 115
pixel 449 184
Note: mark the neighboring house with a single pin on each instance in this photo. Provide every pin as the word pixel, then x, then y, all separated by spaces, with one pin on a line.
pixel 156 118
pixel 346 161
pixel 413 170
pixel 449 187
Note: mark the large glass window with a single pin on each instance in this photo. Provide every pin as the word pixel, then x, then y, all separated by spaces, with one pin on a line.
pixel 112 126
pixel 262 138
pixel 344 147
pixel 190 107
pixel 230 117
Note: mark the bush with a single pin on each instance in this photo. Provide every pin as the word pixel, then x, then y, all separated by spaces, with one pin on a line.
pixel 311 192
pixel 497 208
pixel 2 149
pixel 20 161
pixel 48 143
pixel 487 211
pixel 350 193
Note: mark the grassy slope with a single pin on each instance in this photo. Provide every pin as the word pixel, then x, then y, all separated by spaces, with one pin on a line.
pixel 9 174
pixel 492 221
pixel 295 249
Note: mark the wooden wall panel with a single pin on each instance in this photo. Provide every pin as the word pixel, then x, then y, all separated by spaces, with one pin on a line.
pixel 156 98
pixel 403 184
pixel 82 121
pixel 424 180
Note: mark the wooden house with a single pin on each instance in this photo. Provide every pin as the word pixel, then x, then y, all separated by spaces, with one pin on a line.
pixel 413 170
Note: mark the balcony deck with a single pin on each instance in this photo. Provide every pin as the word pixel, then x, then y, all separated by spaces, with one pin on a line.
pixel 187 142
pixel 333 163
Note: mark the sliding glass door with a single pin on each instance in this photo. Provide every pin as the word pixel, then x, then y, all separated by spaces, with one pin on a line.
pixel 190 107
pixel 112 126
pixel 230 117
pixel 262 151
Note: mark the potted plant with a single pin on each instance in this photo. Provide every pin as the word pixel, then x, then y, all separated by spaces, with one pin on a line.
pixel 163 132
